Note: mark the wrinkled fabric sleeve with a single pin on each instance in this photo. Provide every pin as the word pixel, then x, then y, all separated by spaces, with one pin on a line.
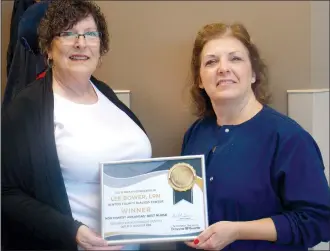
pixel 304 192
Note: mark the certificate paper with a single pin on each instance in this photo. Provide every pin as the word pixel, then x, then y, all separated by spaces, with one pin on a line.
pixel 153 200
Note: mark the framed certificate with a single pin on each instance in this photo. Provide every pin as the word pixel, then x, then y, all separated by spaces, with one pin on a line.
pixel 153 200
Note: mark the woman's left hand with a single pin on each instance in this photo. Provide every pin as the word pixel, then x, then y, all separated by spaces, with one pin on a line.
pixel 216 236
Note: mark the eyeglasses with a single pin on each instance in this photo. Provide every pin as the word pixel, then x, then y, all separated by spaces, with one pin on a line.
pixel 91 37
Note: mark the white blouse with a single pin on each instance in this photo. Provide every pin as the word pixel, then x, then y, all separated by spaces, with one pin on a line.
pixel 86 135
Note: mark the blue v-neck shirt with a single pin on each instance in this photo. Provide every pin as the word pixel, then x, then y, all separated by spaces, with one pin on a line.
pixel 268 166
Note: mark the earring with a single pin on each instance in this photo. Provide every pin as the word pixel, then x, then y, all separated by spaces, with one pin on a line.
pixel 50 62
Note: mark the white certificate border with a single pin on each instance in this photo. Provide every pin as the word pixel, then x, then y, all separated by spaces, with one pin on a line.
pixel 160 239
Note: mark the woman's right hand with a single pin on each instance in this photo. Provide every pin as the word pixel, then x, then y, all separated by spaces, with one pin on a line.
pixel 89 240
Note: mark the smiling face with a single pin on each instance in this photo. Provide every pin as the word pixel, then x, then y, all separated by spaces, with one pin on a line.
pixel 76 56
pixel 225 69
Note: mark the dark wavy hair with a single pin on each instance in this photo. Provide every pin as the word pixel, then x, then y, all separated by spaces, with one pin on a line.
pixel 201 102
pixel 62 15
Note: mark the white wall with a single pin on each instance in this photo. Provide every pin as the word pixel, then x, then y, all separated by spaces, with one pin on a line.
pixel 124 96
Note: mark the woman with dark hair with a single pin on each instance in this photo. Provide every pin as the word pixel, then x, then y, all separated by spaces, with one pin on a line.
pixel 266 186
pixel 55 133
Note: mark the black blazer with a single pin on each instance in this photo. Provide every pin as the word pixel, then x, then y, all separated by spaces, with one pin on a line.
pixel 35 208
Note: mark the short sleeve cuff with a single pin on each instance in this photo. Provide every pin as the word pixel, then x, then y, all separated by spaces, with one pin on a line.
pixel 283 229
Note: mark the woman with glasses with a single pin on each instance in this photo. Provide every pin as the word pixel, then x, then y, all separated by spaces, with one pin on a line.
pixel 55 133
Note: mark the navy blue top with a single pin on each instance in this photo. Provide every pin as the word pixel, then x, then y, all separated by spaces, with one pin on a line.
pixel 268 166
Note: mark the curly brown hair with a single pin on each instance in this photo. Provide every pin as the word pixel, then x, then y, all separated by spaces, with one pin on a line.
pixel 62 15
pixel 201 102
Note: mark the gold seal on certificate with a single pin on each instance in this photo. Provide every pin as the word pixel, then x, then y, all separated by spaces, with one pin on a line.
pixel 181 177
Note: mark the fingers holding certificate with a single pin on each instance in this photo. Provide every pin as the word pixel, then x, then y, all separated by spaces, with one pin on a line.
pixel 153 200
